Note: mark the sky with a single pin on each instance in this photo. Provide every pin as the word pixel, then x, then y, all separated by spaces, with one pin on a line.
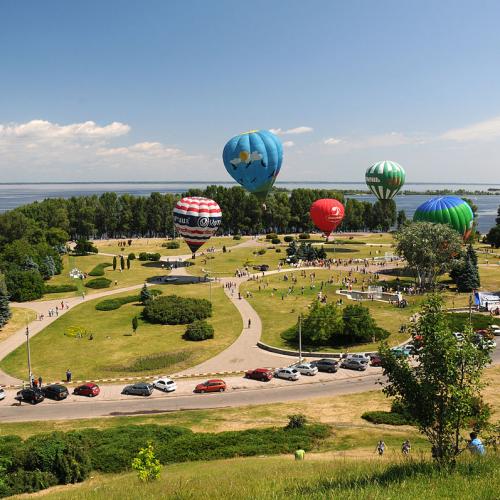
pixel 153 89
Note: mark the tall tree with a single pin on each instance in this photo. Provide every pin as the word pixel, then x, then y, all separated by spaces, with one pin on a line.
pixel 5 312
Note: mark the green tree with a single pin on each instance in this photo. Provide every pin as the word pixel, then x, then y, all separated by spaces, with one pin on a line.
pixel 146 295
pixel 24 285
pixel 359 326
pixel 5 312
pixel 465 272
pixel 128 262
pixel 114 262
pixel 146 464
pixel 442 390
pixel 135 323
pixel 429 249
pixel 122 262
pixel 401 219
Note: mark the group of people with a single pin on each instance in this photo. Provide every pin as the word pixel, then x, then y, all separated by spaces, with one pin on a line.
pixel 54 311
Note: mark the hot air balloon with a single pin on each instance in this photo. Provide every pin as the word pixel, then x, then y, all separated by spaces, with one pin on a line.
pixel 327 214
pixel 196 219
pixel 450 210
pixel 385 179
pixel 253 159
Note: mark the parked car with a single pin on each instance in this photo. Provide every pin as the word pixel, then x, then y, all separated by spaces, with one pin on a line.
pixel 89 389
pixel 140 389
pixel 353 364
pixel 360 357
pixel 214 385
pixel 287 373
pixel 400 352
pixel 459 336
pixel 30 395
pixel 55 391
pixel 483 343
pixel 306 369
pixel 495 330
pixel 326 365
pixel 165 384
pixel 375 360
pixel 262 267
pixel 262 374
pixel 412 348
pixel 2 394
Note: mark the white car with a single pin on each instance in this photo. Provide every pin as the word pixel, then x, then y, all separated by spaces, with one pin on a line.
pixel 359 357
pixel 305 369
pixel 165 384
pixel 495 330
pixel 287 373
pixel 2 394
pixel 459 336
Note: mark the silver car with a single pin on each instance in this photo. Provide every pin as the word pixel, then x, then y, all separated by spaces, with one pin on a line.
pixel 306 369
pixel 287 373
pixel 353 364
pixel 2 394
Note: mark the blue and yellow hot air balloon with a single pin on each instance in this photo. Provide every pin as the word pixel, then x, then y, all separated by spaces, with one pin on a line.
pixel 253 159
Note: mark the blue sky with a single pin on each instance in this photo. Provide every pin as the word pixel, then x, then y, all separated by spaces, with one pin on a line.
pixel 152 90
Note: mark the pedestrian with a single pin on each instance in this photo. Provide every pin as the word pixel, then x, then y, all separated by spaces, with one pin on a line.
pixel 40 381
pixel 380 448
pixel 300 453
pixel 249 322
pixel 406 447
pixel 68 375
pixel 475 445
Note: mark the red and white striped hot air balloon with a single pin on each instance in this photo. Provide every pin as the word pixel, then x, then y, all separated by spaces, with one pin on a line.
pixel 196 219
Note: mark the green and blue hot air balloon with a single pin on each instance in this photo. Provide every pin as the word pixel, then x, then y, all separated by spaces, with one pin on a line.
pixel 450 210
pixel 385 179
pixel 253 159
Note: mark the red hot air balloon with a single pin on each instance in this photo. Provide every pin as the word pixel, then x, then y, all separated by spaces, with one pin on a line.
pixel 327 214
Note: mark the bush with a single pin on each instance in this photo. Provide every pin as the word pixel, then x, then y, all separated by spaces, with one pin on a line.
pixel 199 330
pixel 386 417
pixel 296 421
pixel 237 237
pixel 23 481
pixel 275 241
pixel 84 247
pixel 99 269
pixel 59 288
pixel 304 236
pixel 116 303
pixel 271 236
pixel 262 251
pixel 149 256
pixel 288 238
pixel 278 250
pixel 174 310
pixel 131 256
pixel 98 283
pixel 171 245
pixel 24 285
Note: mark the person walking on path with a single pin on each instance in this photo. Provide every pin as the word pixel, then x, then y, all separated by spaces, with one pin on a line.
pixel 249 322
pixel 300 453
pixel 406 447
pixel 68 375
pixel 380 448
pixel 475 445
pixel 40 381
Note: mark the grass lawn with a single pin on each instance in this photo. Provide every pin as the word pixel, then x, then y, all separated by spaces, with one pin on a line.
pixel 319 476
pixel 113 351
pixel 278 315
pixel 153 245
pixel 21 316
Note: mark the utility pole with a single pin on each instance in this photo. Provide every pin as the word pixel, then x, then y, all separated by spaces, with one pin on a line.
pixel 470 309
pixel 300 338
pixel 29 354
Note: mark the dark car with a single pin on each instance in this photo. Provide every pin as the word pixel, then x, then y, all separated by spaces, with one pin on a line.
pixel 326 365
pixel 141 389
pixel 262 374
pixel 90 389
pixel 376 360
pixel 30 395
pixel 353 364
pixel 55 391
pixel 262 267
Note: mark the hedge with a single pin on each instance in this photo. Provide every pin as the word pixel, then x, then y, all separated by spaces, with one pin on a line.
pixel 199 330
pixel 386 417
pixel 288 238
pixel 116 303
pixel 98 283
pixel 99 269
pixel 171 245
pixel 237 237
pixel 174 310
pixel 155 257
pixel 304 236
pixel 59 288
pixel 271 236
pixel 275 241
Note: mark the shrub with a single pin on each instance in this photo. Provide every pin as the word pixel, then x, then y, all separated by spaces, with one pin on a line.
pixel 59 288
pixel 278 250
pixel 98 283
pixel 199 330
pixel 174 310
pixel 288 238
pixel 171 245
pixel 271 236
pixel 24 285
pixel 304 236
pixel 386 417
pixel 237 237
pixel 262 251
pixel 99 269
pixel 131 256
pixel 275 241
pixel 149 256
pixel 296 421
pixel 23 481
pixel 116 303
pixel 146 464
pixel 84 247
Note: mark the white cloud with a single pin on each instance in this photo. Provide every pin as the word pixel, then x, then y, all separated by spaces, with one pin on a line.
pixel 143 150
pixel 292 131
pixel 483 131
pixel 332 141
pixel 288 144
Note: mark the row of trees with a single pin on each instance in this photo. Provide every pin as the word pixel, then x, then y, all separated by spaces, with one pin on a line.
pixel 110 215
pixel 493 236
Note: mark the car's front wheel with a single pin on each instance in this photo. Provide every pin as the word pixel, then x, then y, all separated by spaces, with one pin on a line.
pixel 221 389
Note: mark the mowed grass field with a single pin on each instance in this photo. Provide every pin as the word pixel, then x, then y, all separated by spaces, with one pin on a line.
pixel 319 476
pixel 113 351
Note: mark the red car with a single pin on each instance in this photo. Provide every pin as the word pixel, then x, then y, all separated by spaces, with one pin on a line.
pixel 90 389
pixel 375 360
pixel 262 374
pixel 214 385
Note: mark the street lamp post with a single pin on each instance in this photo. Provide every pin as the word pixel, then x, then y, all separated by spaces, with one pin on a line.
pixel 300 338
pixel 29 354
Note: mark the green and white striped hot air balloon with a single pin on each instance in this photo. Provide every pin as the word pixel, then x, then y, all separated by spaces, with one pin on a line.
pixel 385 179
